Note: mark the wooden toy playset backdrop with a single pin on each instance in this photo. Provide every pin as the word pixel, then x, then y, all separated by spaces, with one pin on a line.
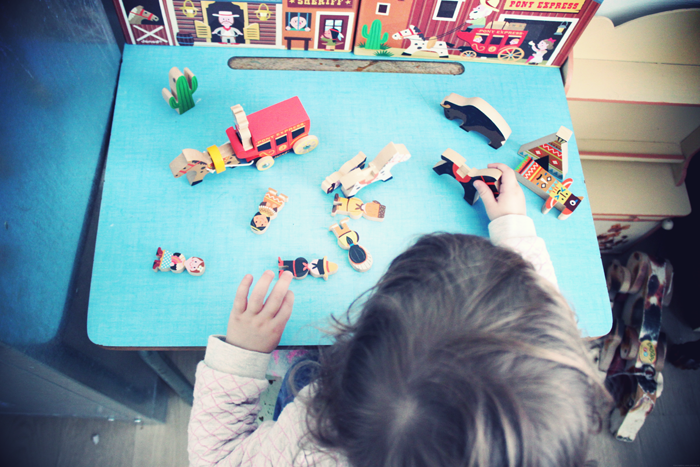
pixel 289 24
pixel 512 31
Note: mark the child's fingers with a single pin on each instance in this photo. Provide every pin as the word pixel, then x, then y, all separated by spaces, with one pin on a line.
pixel 279 291
pixel 508 177
pixel 285 310
pixel 240 301
pixel 486 194
pixel 257 296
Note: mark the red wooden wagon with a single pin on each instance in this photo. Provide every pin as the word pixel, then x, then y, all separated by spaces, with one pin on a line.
pixel 272 131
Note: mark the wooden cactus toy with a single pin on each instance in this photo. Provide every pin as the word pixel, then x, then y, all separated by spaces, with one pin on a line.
pixel 179 97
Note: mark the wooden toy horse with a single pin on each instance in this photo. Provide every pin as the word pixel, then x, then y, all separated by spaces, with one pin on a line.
pixel 477 115
pixel 197 164
pixel 138 14
pixel 357 178
pixel 454 164
pixel 420 44
pixel 333 180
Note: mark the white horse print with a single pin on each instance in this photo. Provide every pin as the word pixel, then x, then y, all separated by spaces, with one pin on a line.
pixel 419 43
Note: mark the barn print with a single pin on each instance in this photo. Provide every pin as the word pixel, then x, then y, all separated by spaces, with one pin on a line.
pixel 511 31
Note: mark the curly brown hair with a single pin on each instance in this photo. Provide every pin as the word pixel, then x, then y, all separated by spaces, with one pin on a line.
pixel 461 355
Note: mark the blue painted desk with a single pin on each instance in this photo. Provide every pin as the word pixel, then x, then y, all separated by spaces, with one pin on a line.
pixel 144 207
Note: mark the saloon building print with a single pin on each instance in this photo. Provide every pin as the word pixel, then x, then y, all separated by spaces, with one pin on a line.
pixel 282 24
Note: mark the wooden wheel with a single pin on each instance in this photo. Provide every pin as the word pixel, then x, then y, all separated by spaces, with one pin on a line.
pixel 265 163
pixel 511 53
pixel 468 54
pixel 306 144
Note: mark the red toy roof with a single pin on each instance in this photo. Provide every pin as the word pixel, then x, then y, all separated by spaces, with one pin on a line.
pixel 276 118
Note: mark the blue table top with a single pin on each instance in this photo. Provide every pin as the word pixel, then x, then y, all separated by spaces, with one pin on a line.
pixel 144 207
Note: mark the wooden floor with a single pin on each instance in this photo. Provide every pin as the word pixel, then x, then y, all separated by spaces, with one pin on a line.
pixel 44 441
pixel 73 442
pixel 670 436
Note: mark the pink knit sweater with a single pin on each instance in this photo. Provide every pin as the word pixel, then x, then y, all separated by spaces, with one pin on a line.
pixel 224 429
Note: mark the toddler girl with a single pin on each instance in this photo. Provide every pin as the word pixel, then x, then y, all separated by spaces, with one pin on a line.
pixel 464 354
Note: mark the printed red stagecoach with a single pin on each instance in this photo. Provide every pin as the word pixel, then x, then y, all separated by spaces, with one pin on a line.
pixel 503 42
pixel 255 139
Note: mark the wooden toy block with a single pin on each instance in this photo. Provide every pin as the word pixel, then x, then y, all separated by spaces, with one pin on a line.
pixel 555 193
pixel 454 164
pixel 255 139
pixel 179 97
pixel 301 267
pixel 379 169
pixel 355 208
pixel 360 258
pixel 477 115
pixel 272 204
pixel 333 180
pixel 551 152
pixel 176 262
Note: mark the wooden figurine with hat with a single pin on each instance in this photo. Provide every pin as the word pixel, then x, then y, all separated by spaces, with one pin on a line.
pixel 301 267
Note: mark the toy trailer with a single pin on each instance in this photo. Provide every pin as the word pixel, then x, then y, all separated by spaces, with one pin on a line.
pixel 271 132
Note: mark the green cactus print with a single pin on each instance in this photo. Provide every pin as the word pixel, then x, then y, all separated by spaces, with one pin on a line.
pixel 182 101
pixel 375 39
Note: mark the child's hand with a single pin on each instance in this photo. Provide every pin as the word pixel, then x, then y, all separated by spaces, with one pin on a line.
pixel 254 325
pixel 510 201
